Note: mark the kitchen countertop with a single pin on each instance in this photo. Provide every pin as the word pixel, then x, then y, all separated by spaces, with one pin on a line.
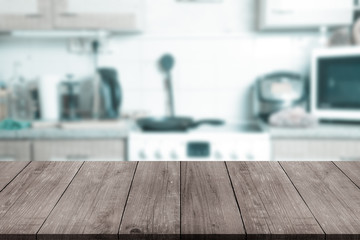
pixel 56 133
pixel 169 200
pixel 322 131
pixel 88 130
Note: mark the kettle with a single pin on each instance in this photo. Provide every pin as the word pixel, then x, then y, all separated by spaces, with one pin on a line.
pixel 110 93
pixel 101 96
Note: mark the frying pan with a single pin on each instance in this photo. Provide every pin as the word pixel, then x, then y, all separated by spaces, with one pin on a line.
pixel 177 124
pixel 171 123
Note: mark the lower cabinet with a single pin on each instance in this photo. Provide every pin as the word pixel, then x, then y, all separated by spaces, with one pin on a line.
pixel 77 150
pixel 15 150
pixel 115 150
pixel 315 150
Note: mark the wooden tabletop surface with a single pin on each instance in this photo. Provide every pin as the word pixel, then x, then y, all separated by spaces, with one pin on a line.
pixel 173 200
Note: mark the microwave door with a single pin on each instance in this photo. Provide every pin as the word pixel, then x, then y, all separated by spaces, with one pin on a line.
pixel 339 84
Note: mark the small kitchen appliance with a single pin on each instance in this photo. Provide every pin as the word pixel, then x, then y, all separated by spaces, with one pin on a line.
pixel 335 84
pixel 69 99
pixel 277 91
pixel 43 93
pixel 206 143
pixel 101 95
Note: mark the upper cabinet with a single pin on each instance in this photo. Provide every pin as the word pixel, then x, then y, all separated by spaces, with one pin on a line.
pixel 295 14
pixel 25 14
pixel 115 15
pixel 124 15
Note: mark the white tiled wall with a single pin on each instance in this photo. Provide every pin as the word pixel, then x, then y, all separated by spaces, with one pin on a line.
pixel 218 56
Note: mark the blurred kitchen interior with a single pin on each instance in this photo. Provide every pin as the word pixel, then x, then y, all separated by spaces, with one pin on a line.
pixel 179 80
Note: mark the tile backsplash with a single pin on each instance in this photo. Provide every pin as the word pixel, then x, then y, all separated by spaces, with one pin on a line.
pixel 218 57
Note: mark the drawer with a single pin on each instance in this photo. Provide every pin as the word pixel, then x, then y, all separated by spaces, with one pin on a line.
pixel 86 150
pixel 315 150
pixel 15 151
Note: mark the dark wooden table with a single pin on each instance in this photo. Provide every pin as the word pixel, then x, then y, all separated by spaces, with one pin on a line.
pixel 172 200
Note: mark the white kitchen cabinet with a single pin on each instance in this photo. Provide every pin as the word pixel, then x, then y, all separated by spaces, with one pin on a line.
pixel 120 15
pixel 25 14
pixel 315 149
pixel 15 150
pixel 292 14
pixel 79 150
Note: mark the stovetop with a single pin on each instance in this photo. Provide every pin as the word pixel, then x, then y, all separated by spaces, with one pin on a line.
pixel 235 128
pixel 252 128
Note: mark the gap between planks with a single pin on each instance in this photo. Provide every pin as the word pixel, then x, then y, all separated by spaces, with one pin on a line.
pixel 237 201
pixel 228 175
pixel 302 198
pixel 336 165
pixel 127 199
pixel 15 176
pixel 59 200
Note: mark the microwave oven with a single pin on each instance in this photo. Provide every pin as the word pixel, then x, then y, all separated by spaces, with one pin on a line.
pixel 335 84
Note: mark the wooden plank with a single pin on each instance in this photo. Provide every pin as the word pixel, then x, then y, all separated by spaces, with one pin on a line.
pixel 269 203
pixel 208 205
pixel 153 208
pixel 350 169
pixel 8 171
pixel 28 200
pixel 331 196
pixel 93 205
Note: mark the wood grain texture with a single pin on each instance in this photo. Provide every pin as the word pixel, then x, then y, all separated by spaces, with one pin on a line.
pixel 173 200
pixel 208 205
pixel 153 208
pixel 331 196
pixel 93 204
pixel 8 171
pixel 28 200
pixel 350 169
pixel 269 203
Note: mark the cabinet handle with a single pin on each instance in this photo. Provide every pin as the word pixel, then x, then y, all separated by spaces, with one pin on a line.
pixel 77 157
pixel 34 16
pixel 68 14
pixel 7 158
pixel 350 159
pixel 283 12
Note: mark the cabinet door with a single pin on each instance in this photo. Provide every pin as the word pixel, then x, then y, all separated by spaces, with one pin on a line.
pixel 25 14
pixel 121 15
pixel 79 150
pixel 315 150
pixel 290 14
pixel 15 151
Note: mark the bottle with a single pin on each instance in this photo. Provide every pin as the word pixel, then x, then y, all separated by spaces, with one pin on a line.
pixel 3 100
pixel 18 108
pixel 324 37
